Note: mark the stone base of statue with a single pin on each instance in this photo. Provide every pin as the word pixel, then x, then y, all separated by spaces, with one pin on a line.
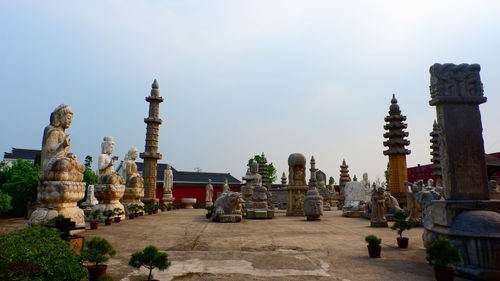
pixel 227 218
pixel 59 198
pixel 208 203
pixel 259 214
pixel 150 200
pixel 473 227
pixel 167 198
pixel 378 224
pixel 353 209
pixel 132 196
pixel 295 203
pixel 109 196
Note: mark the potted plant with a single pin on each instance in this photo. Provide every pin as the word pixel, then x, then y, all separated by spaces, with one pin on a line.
pixel 210 210
pixel 96 252
pixel 95 218
pixel 401 224
pixel 440 255
pixel 132 209
pixel 155 208
pixel 140 210
pixel 150 258
pixel 374 247
pixel 163 207
pixel 108 214
pixel 170 206
pixel 118 213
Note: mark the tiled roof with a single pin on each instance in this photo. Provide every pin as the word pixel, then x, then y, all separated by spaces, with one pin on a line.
pixel 186 176
pixel 26 154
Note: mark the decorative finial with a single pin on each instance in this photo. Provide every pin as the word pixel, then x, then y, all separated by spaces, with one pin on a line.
pixel 343 161
pixel 155 84
pixel 394 100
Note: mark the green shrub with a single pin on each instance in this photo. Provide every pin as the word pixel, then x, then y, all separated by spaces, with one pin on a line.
pixel 38 253
pixel 108 213
pixel 20 182
pixel 95 215
pixel 441 253
pixel 105 277
pixel 150 258
pixel 5 202
pixel 400 223
pixel 373 240
pixel 210 208
pixel 97 251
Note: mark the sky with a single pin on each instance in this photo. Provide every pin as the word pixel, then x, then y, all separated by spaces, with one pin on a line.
pixel 241 77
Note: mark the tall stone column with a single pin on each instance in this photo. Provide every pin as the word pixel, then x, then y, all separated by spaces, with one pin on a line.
pixel 466 218
pixel 151 155
pixel 344 176
pixel 396 150
pixel 312 170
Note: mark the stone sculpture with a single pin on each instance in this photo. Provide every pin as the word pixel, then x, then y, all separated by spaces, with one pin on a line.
pixel 110 189
pixel 209 193
pixel 90 201
pixel 378 208
pixel 256 204
pixel 134 183
pixel 225 186
pixel 494 192
pixel 415 215
pixel 228 207
pixel 168 184
pixel 354 202
pixel 331 184
pixel 313 205
pixel 297 186
pixel 368 190
pixel 60 181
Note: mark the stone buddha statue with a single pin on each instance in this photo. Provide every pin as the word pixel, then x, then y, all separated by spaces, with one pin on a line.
pixel 225 186
pixel 296 169
pixel 209 192
pixel 130 174
pixel 107 174
pixel 58 163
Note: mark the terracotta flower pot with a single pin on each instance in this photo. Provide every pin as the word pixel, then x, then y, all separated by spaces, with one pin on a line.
pixel 94 225
pixel 141 214
pixel 208 215
pixel 374 251
pixel 444 273
pixel 117 219
pixel 131 216
pixel 96 271
pixel 403 242
pixel 108 221
pixel 155 211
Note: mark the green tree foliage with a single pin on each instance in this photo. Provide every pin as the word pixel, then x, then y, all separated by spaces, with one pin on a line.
pixel 97 251
pixel 38 253
pixel 373 240
pixel 5 202
pixel 150 258
pixel 89 177
pixel 400 223
pixel 20 182
pixel 441 253
pixel 271 170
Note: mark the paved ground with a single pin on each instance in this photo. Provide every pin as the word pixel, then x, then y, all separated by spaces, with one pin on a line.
pixel 284 248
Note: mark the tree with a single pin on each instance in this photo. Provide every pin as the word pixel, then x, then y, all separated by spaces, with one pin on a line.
pixel 38 253
pixel 4 202
pixel 98 250
pixel 271 170
pixel 20 182
pixel 150 258
pixel 89 177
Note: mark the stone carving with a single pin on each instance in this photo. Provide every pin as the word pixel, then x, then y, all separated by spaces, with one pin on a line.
pixel 228 207
pixel 494 192
pixel 313 205
pixel 256 195
pixel 413 205
pixel 134 183
pixel 329 197
pixel 168 184
pixel 461 80
pixel 320 180
pixel 225 186
pixel 368 189
pixel 331 184
pixel 354 203
pixel 297 186
pixel 209 193
pixel 378 208
pixel 283 179
pixel 60 186
pixel 110 189
pixel 90 201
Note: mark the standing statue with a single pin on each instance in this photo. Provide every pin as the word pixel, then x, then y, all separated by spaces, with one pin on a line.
pixel 209 193
pixel 106 173
pixel 168 184
pixel 378 208
pixel 60 181
pixel 134 183
pixel 366 184
pixel 413 205
pixel 225 186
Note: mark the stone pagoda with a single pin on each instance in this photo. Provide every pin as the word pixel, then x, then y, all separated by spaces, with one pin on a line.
pixel 396 150
pixel 312 170
pixel 344 176
pixel 467 218
pixel 263 169
pixel 151 155
pixel 436 156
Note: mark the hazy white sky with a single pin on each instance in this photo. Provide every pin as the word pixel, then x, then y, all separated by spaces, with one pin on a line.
pixel 241 77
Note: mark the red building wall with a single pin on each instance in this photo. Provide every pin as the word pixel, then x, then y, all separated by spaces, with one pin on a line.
pixel 186 191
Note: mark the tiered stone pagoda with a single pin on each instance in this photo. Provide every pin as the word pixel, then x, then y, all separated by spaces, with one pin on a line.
pixel 436 156
pixel 151 155
pixel 344 176
pixel 263 169
pixel 312 170
pixel 396 150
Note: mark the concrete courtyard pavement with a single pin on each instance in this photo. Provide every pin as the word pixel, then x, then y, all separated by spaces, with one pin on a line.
pixel 284 248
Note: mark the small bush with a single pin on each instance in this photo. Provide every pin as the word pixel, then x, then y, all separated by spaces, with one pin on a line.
pixel 38 253
pixel 5 202
pixel 441 253
pixel 400 223
pixel 373 240
pixel 95 215
pixel 97 251
pixel 150 258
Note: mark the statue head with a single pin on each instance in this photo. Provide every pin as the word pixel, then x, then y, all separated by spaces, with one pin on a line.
pixel 365 176
pixel 225 181
pixel 331 181
pixel 168 167
pixel 132 154
pixel 380 190
pixel 108 145
pixel 430 182
pixel 254 167
pixel 61 116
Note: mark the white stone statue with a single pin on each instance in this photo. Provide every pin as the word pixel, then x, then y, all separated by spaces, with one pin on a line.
pixel 225 186
pixel 355 196
pixel 90 201
pixel 209 193
pixel 134 183
pixel 253 177
pixel 168 184
pixel 106 173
